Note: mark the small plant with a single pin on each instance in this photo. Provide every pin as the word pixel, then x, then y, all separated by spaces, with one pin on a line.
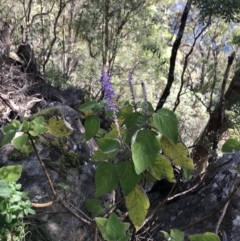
pixel 140 143
pixel 14 204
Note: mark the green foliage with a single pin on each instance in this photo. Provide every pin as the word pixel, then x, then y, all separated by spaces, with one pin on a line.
pixel 14 204
pixel 204 237
pixel 20 134
pixel 229 10
pixel 59 127
pixel 231 145
pixel 144 150
pixel 106 178
pixel 162 168
pixel 112 229
pixel 127 177
pixel 94 206
pixel 143 155
pixel 178 153
pixel 175 235
pixel 137 204
pixel 92 125
pixel 10 173
pixel 166 122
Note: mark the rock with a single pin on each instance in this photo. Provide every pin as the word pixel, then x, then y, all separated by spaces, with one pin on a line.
pixel 67 161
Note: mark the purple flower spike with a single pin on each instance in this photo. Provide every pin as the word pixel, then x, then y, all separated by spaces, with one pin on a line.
pixel 108 91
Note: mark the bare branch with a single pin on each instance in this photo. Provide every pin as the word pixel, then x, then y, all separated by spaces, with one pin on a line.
pixel 175 48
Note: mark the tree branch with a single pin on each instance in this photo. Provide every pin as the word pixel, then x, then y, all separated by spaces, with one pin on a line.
pixel 175 48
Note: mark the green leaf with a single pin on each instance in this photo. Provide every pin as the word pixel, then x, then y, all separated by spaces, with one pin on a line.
pixel 4 189
pixel 125 111
pixel 127 176
pixel 115 229
pixel 204 237
pixel 25 126
pixel 40 129
pixel 16 124
pixel 137 204
pixel 131 122
pixel 19 141
pixel 10 127
pixel 9 135
pixel 108 145
pixel 187 173
pixel 100 156
pixel 64 186
pixel 92 125
pixel 166 235
pixel 31 211
pixel 150 109
pixel 101 224
pixel 88 105
pixel 162 168
pixel 177 235
pixel 177 153
pixel 8 218
pixel 94 206
pixel 105 178
pixel 231 145
pixel 10 173
pixel 144 150
pixel 38 121
pixel 166 122
pixel 59 127
pixel 33 133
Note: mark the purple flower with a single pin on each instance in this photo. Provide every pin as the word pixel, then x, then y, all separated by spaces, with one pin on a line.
pixel 108 91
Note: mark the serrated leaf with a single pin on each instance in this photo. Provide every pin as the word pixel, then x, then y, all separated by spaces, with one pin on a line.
pixel 166 122
pixel 59 127
pixel 162 168
pixel 19 141
pixel 10 173
pixel 204 237
pixel 100 156
pixel 115 228
pixel 177 235
pixel 92 125
pixel 231 145
pixel 108 145
pixel 88 105
pixel 94 206
pixel 144 150
pixel 105 178
pixel 177 153
pixel 127 176
pixel 9 135
pixel 101 224
pixel 137 204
